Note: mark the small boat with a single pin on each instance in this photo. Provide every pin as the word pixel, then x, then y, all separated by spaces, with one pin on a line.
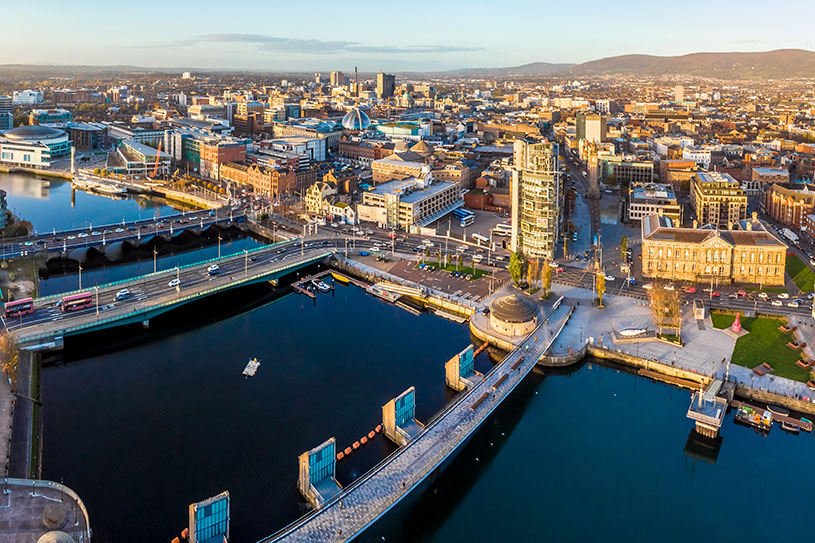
pixel 341 278
pixel 319 285
pixel 778 410
pixel 762 421
pixel 251 368
pixel 791 428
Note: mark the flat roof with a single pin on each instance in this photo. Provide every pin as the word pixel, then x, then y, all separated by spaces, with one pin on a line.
pixel 402 186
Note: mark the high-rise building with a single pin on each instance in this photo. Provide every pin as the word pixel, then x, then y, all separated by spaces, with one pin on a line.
pixel 6 118
pixel 385 85
pixel 590 127
pixel 537 198
pixel 337 79
pixel 718 199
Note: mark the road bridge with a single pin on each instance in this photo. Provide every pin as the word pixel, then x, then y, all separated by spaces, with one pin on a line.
pixel 349 512
pixel 137 231
pixel 156 293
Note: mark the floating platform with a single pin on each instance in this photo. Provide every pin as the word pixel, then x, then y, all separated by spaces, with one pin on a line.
pixel 384 294
pixel 450 316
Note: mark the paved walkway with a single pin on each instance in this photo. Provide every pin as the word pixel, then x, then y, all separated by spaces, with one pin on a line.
pixel 705 351
pixel 6 402
pixel 373 494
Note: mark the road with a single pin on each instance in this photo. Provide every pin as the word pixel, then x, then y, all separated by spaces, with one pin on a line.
pixel 107 234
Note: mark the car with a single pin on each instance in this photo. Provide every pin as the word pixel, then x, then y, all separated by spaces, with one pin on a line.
pixel 96 233
pixel 669 286
pixel 174 283
pixel 558 269
pixel 632 281
pixel 211 213
pixel 71 237
pixel 811 295
pixel 120 230
pixel 609 277
pixel 57 239
pixel 741 293
pixel 553 264
pixel 41 242
pixel 121 295
pixel 461 248
pixel 106 232
pixel 689 290
pixel 28 243
pixel 763 295
pixel 715 294
pixel 252 258
pixel 783 296
pixel 131 227
pixel 499 257
pixel 799 301
pixel 733 295
pixel 213 269
pixel 647 286
pixel 468 277
pixel 777 303
pixel 142 226
pixel 83 234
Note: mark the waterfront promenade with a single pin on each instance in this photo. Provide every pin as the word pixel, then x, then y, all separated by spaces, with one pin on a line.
pixel 705 350
pixel 373 494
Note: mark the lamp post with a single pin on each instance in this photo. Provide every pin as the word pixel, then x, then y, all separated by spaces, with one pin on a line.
pixel 96 288
pixel 246 263
pixel 219 245
pixel 80 276
pixel 155 253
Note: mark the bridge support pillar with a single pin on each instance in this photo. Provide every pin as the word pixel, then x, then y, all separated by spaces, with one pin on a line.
pixel 458 371
pixel 317 482
pixel 398 418
pixel 145 324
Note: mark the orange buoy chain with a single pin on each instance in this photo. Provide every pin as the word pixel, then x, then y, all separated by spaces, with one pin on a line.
pixel 481 349
pixel 362 441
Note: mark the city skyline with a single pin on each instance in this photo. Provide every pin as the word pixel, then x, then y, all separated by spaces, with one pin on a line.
pixel 425 37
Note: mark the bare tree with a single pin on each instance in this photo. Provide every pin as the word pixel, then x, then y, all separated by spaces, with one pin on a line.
pixel 666 308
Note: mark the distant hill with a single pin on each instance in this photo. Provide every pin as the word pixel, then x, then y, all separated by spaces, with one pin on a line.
pixel 782 63
pixel 534 68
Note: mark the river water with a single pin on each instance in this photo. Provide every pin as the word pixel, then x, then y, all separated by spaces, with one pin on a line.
pixel 142 424
pixel 47 203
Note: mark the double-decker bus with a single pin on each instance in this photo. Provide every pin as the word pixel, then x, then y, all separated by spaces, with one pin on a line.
pixel 481 240
pixel 465 218
pixel 502 229
pixel 76 302
pixel 18 308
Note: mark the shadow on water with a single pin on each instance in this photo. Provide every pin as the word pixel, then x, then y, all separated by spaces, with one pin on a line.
pixel 441 493
pixel 191 316
pixel 702 448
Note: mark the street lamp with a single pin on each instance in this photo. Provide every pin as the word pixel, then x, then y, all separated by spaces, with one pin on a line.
pixel 246 263
pixel 219 245
pixel 80 276
pixel 96 288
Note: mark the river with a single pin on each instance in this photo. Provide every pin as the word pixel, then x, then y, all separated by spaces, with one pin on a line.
pixel 47 203
pixel 142 424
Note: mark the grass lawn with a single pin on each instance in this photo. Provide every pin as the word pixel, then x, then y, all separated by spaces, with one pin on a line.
pixel 800 273
pixel 479 273
pixel 771 290
pixel 764 343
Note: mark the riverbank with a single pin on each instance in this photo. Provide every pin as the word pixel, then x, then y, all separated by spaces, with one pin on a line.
pixel 43 173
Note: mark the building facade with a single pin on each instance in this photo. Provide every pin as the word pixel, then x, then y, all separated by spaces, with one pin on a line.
pixel 385 85
pixel 537 198
pixel 709 255
pixel 789 206
pixel 718 199
pixel 653 199
pixel 6 118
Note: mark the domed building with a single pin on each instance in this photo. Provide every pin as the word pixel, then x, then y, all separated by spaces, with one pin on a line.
pixel 514 315
pixel 356 120
pixel 33 146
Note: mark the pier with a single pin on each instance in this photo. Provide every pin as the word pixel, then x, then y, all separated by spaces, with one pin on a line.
pixel 354 508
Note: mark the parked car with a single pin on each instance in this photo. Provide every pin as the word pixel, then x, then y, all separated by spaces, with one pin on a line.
pixel 669 286
pixel 689 290
pixel 762 295
pixel 715 294
pixel 777 303
pixel 609 277
pixel 783 296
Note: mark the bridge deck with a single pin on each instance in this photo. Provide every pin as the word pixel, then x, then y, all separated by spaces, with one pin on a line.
pixel 235 271
pixel 369 497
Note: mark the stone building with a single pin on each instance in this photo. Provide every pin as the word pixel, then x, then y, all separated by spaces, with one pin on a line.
pixel 718 199
pixel 749 254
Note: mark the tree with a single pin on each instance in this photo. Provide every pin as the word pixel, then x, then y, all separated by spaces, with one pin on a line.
pixel 532 272
pixel 623 248
pixel 9 356
pixel 546 276
pixel 96 171
pixel 516 267
pixel 601 287
pixel 104 172
pixel 666 308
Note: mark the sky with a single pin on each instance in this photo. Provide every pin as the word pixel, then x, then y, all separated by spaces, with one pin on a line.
pixel 394 36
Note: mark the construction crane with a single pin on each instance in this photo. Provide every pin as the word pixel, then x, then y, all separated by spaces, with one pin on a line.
pixel 158 156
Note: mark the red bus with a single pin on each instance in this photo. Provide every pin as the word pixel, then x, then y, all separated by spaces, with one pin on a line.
pixel 76 302
pixel 18 308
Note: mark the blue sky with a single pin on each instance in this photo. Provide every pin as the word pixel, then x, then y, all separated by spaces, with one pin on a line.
pixel 319 35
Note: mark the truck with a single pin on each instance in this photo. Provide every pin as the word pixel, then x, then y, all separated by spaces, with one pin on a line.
pixel 790 235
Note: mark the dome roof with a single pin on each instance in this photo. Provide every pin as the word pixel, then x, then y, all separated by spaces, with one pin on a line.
pixel 33 133
pixel 55 537
pixel 356 119
pixel 514 308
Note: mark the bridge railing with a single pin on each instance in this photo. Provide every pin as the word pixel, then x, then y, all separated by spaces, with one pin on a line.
pixel 418 477
pixel 162 272
pixel 119 224
pixel 96 322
